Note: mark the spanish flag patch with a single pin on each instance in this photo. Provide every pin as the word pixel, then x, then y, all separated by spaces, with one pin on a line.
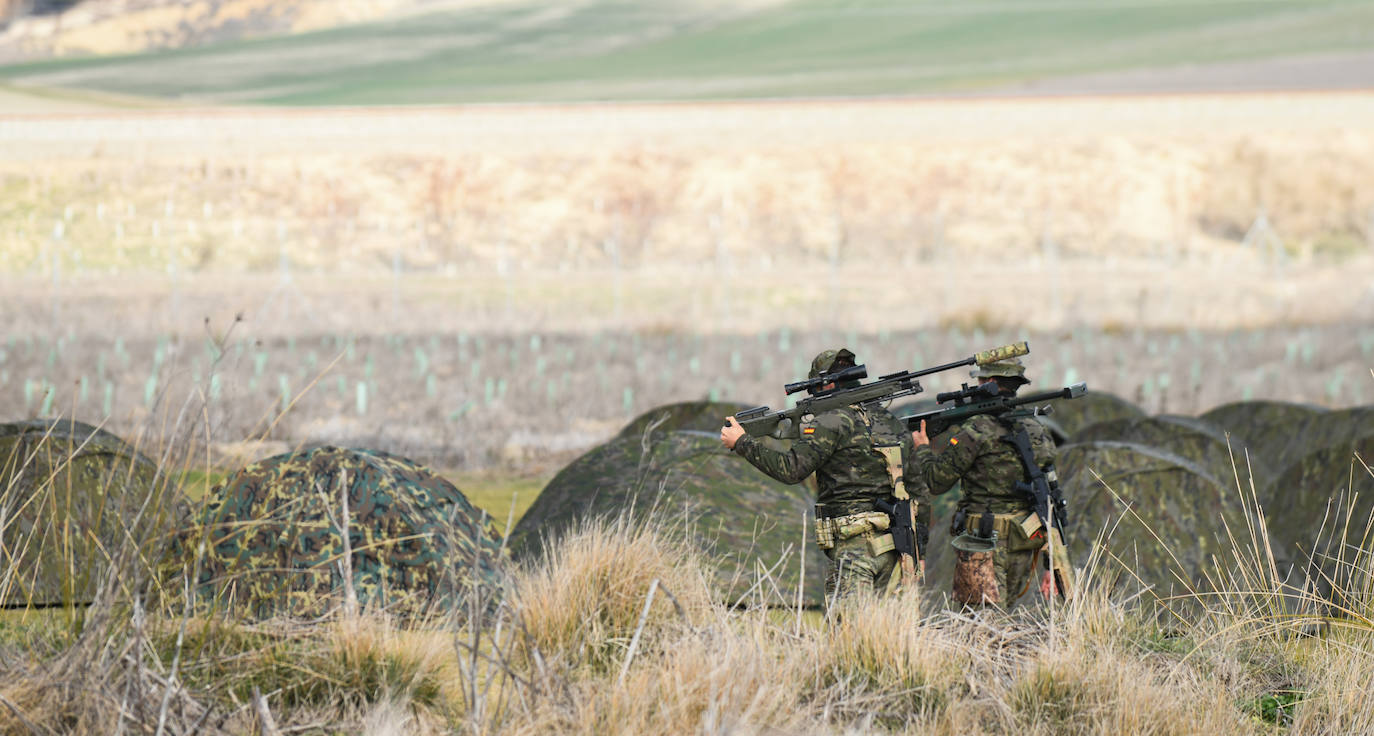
pixel 809 430
pixel 954 440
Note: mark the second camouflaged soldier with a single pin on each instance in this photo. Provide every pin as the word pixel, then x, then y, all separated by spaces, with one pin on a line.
pixel 861 455
pixel 996 533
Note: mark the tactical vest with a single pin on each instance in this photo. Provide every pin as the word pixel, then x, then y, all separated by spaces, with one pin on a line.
pixel 879 439
pixel 862 469
pixel 887 444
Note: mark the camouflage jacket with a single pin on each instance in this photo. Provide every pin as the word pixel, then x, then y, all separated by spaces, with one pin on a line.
pixel 989 467
pixel 839 447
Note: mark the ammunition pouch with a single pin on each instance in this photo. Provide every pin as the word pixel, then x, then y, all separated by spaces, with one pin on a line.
pixel 870 524
pixel 1020 532
pixel 825 533
pixel 879 544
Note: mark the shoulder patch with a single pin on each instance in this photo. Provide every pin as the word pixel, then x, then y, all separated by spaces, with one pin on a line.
pixel 954 440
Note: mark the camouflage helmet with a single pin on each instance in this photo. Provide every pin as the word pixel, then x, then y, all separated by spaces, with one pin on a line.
pixel 1009 368
pixel 827 359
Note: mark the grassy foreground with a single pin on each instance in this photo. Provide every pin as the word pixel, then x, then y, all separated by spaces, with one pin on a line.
pixel 617 631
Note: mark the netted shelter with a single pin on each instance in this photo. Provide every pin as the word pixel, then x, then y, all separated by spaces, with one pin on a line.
pixel 1161 517
pixel 1321 431
pixel 687 481
pixel 273 545
pixel 1266 428
pixel 1323 504
pixel 1192 439
pixel 1072 415
pixel 1280 435
pixel 75 499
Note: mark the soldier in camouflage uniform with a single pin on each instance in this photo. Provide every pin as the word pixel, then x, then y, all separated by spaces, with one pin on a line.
pixel 991 570
pixel 860 455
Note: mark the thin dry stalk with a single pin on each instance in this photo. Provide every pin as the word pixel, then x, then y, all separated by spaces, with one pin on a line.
pixel 639 630
pixel 266 722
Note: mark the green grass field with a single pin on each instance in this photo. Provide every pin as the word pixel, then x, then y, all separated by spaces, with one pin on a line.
pixel 619 50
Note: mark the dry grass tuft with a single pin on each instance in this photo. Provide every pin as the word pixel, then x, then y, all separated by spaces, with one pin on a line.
pixel 617 630
pixel 1090 690
pixel 711 681
pixel 585 602
pixel 886 658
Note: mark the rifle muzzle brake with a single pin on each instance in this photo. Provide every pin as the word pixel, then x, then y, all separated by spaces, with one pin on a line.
pixel 1006 352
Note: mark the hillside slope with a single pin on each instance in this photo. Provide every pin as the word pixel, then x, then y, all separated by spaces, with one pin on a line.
pixel 38 29
pixel 523 50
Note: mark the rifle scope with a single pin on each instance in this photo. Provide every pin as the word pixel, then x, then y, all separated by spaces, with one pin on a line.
pixel 982 391
pixel 852 373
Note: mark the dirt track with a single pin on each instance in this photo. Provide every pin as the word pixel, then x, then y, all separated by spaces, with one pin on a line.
pixel 78 134
pixel 1314 72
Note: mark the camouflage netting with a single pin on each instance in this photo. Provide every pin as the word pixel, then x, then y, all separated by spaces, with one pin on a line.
pixel 1178 500
pixel 1316 497
pixel 273 545
pixel 1191 439
pixel 1265 427
pixel 1321 431
pixel 697 416
pixel 1072 415
pixel 71 497
pixel 740 516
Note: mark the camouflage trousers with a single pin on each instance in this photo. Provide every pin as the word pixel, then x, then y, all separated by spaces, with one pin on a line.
pixel 996 578
pixel 854 572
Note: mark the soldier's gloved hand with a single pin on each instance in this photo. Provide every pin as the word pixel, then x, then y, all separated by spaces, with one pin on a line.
pixel 918 436
pixel 730 433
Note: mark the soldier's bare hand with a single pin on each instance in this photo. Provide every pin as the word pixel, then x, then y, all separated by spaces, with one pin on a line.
pixel 730 433
pixel 918 436
pixel 1047 587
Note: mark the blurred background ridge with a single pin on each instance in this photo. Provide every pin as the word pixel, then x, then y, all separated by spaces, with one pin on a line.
pixel 366 52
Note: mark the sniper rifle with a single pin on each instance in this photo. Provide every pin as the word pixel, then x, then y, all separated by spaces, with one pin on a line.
pixel 762 421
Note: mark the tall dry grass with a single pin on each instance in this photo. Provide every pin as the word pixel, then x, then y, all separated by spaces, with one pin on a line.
pixel 617 630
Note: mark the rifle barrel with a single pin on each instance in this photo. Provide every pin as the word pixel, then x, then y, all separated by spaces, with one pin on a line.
pixel 1068 392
